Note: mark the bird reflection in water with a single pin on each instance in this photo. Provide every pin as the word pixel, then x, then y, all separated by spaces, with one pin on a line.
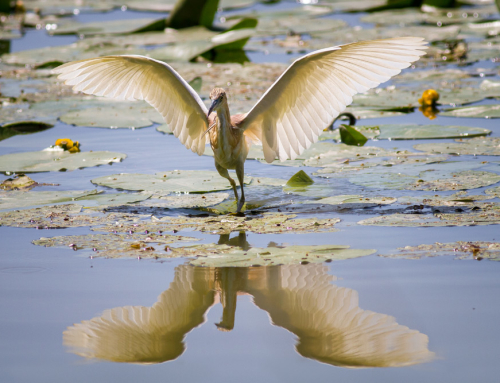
pixel 329 325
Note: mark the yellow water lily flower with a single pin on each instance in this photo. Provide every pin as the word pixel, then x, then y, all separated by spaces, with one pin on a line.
pixel 429 97
pixel 67 144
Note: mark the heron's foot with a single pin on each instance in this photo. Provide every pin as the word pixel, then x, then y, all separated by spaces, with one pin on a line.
pixel 241 202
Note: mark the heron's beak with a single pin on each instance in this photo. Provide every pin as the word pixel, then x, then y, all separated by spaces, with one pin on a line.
pixel 212 107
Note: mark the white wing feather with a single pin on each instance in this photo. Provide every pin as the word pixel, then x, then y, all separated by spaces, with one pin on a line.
pixel 316 88
pixel 142 78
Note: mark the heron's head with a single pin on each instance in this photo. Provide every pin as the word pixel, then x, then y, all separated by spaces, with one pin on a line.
pixel 218 96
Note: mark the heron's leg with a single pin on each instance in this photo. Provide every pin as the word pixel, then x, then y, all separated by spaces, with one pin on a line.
pixel 224 173
pixel 241 174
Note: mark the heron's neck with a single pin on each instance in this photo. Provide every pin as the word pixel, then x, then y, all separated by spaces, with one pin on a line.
pixel 224 117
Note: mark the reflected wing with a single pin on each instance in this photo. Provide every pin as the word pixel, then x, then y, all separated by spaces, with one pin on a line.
pixel 147 334
pixel 331 326
pixel 142 78
pixel 317 87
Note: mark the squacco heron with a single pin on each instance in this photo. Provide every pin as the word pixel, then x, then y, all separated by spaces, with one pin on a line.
pixel 286 120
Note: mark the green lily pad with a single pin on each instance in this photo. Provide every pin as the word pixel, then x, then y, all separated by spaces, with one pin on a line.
pixel 187 201
pixel 227 256
pixel 10 129
pixel 490 217
pixel 489 28
pixel 439 176
pixel 176 181
pixel 352 201
pixel 164 128
pixel 59 216
pixel 150 6
pixel 350 136
pixel 426 132
pixel 299 179
pixel 68 7
pixel 479 146
pixel 19 182
pixel 342 152
pixel 109 27
pixel 130 115
pixel 457 199
pixel 118 245
pixel 297 25
pixel 347 167
pixel 493 191
pixel 55 160
pixel 411 132
pixel 269 223
pixel 479 111
pixel 429 33
pixel 188 50
pixel 411 16
pixel 460 250
pixel 362 113
pixel 18 199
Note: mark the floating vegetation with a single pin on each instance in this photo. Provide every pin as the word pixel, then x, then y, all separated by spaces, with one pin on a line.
pixel 477 250
pixel 353 201
pixel 56 160
pixel 479 146
pixel 411 132
pixel 440 176
pixel 486 217
pixel 60 216
pixel 269 223
pixel 129 115
pixel 118 245
pixel 175 181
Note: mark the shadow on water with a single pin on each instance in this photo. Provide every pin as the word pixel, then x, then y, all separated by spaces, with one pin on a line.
pixel 326 319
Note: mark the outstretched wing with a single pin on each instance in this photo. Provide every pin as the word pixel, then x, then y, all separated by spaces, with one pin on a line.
pixel 142 78
pixel 317 87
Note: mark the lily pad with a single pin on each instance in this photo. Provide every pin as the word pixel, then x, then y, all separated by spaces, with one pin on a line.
pixel 479 146
pixel 19 182
pixel 68 7
pixel 188 201
pixel 460 250
pixel 440 176
pixel 130 115
pixel 479 111
pixel 346 167
pixel 351 136
pixel 226 256
pixel 362 113
pixel 109 27
pixel 490 217
pixel 457 199
pixel 59 216
pixel 353 201
pixel 18 199
pixel 429 33
pixel 411 132
pixel 299 179
pixel 52 161
pixel 165 129
pixel 22 127
pixel 176 181
pixel 493 191
pixel 269 223
pixel 118 245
